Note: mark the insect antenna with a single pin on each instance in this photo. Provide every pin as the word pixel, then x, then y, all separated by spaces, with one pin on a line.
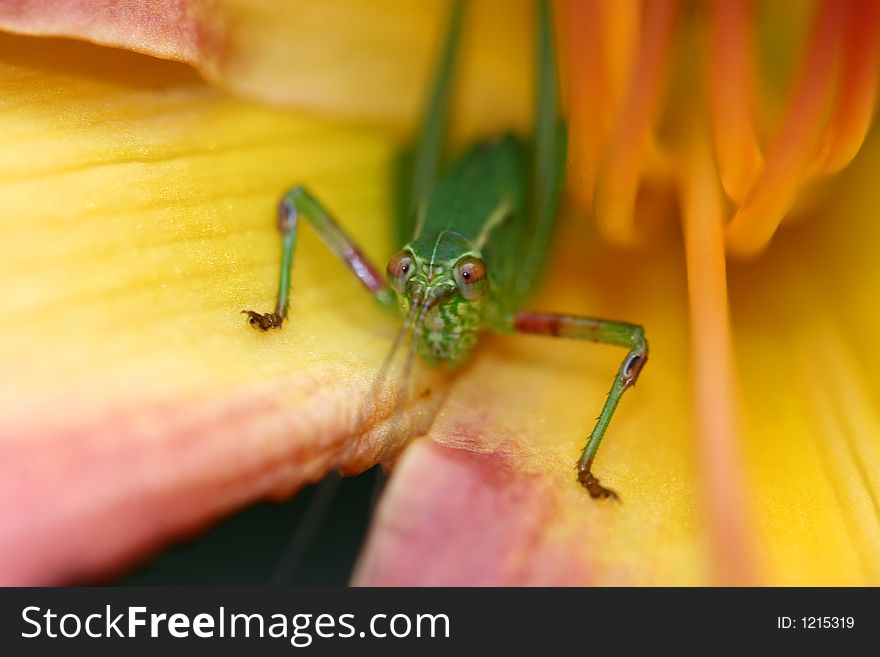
pixel 403 386
pixel 377 388
pixel 304 536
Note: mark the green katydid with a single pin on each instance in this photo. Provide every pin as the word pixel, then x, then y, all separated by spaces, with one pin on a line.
pixel 474 239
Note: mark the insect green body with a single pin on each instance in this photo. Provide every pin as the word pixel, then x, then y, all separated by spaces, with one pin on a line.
pixel 474 240
pixel 472 215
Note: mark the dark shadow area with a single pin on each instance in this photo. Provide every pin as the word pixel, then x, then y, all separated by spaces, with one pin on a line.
pixel 312 540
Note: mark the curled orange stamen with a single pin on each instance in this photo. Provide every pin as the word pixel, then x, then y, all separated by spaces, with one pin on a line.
pixel 775 190
pixel 601 41
pixel 857 89
pixel 730 76
pixel 618 182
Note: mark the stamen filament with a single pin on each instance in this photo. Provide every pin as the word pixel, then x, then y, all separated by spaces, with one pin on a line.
pixel 717 421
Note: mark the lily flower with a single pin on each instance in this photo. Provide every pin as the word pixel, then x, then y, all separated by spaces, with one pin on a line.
pixel 137 203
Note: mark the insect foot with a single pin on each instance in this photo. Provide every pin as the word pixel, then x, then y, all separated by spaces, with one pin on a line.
pixel 593 487
pixel 263 321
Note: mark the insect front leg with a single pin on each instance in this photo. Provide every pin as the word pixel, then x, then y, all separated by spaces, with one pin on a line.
pixel 622 334
pixel 299 202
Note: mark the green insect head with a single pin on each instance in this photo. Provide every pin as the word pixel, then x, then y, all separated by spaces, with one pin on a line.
pixel 443 301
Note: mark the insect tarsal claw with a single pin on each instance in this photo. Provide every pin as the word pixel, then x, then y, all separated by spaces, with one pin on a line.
pixel 594 488
pixel 263 321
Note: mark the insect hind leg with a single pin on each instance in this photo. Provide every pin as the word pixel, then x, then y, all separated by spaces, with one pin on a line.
pixel 622 334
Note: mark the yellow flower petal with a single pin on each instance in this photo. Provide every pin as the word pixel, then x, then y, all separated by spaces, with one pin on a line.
pixel 138 220
pixel 806 327
pixel 367 61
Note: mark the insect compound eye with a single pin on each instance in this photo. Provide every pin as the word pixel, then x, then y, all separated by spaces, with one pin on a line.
pixel 400 268
pixel 470 275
